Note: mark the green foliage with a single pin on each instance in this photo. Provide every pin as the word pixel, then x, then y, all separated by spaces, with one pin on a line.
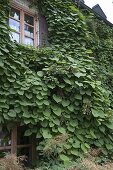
pixel 62 89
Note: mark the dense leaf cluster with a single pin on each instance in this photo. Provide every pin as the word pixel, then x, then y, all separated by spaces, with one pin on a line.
pixel 65 88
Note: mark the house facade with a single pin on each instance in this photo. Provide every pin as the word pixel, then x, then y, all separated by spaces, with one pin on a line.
pixel 28 27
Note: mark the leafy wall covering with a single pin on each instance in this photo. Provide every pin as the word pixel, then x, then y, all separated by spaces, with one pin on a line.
pixel 65 88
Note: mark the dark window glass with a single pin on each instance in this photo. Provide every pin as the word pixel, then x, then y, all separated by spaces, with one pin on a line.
pixel 5 138
pixel 27 155
pixel 29 31
pixel 28 19
pixel 15 14
pixel 21 139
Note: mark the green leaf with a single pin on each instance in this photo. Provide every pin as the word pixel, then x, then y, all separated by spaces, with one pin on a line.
pixel 109 125
pixel 26 115
pixel 46 102
pixel 61 85
pixel 20 92
pixel 98 113
pixel 54 130
pixel 12 113
pixel 78 96
pixel 57 98
pixel 27 121
pixel 29 96
pixel 88 92
pixel 51 124
pixel 79 84
pixel 17 109
pixel 84 148
pixel 1 72
pixel 101 141
pixel 65 103
pixel 47 112
pixel 38 136
pixel 67 81
pixel 61 130
pixel 109 146
pixel 92 134
pixel 86 145
pixel 74 123
pixel 56 121
pixel 76 144
pixel 102 128
pixel 79 74
pixel 46 134
pixel 40 73
pixel 1 63
pixel 54 107
pixel 74 9
pixel 75 152
pixel 71 108
pixel 44 123
pixel 64 158
pixel 51 86
pixel 11 80
pixel 5 50
pixel 58 112
pixel 1 53
pixel 67 146
pixel 28 132
pixel 80 137
pixel 39 102
pixel 71 129
pixel 39 96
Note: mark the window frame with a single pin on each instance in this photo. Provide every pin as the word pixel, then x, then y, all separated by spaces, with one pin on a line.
pixel 23 10
pixel 14 146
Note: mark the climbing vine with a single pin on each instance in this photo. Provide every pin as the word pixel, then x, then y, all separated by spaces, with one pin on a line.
pixel 65 88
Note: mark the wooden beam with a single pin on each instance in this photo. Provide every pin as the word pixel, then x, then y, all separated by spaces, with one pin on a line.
pixel 3 148
pixel 24 146
pixel 14 140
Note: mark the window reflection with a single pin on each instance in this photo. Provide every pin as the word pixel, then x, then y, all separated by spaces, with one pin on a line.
pixel 29 20
pixel 5 138
pixel 15 37
pixel 28 41
pixel 14 24
pixel 15 14
pixel 28 31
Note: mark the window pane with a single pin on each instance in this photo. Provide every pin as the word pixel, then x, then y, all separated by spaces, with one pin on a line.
pixel 15 14
pixel 29 31
pixel 5 138
pixel 21 139
pixel 15 36
pixel 29 20
pixel 14 24
pixel 27 154
pixel 28 41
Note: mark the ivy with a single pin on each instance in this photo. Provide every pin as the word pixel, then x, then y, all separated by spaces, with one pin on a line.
pixel 65 88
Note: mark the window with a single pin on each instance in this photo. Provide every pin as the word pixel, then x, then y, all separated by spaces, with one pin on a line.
pixel 16 143
pixel 24 25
